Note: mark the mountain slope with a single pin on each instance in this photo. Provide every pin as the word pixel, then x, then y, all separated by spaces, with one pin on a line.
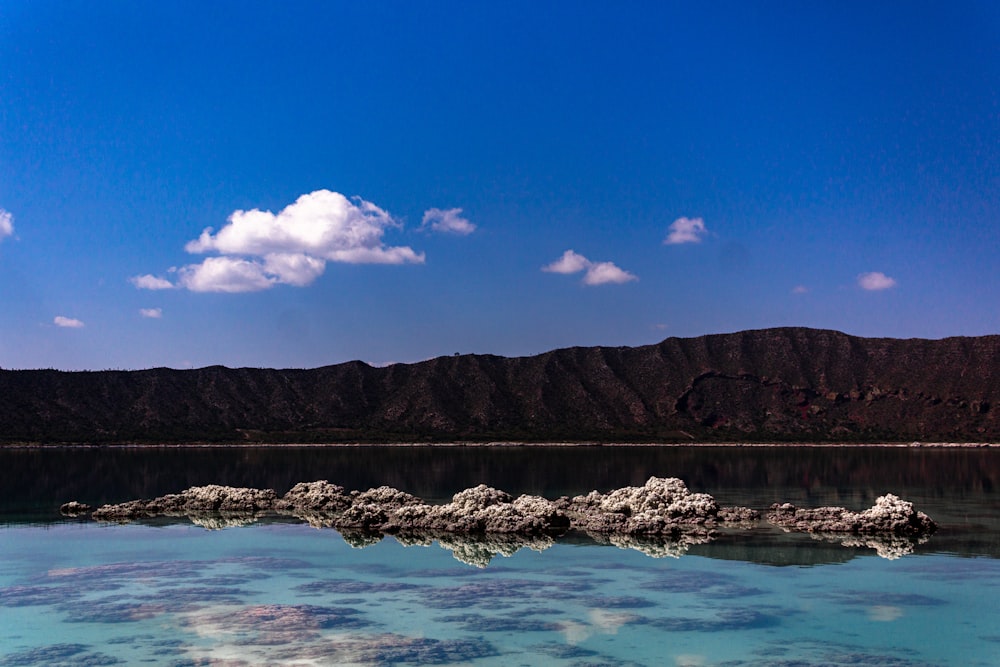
pixel 773 384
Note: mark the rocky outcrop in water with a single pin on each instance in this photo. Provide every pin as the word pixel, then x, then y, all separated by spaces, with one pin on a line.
pixel 890 515
pixel 661 518
pixel 196 500
pixel 74 508
pixel 663 506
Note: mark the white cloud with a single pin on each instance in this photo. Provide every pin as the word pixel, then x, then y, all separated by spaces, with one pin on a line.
pixel 6 224
pixel 321 224
pixel 225 274
pixel 800 289
pixel 686 230
pixel 448 221
pixel 570 262
pixel 595 273
pixel 603 273
pixel 67 322
pixel 259 249
pixel 152 313
pixel 293 268
pixel 150 282
pixel 875 280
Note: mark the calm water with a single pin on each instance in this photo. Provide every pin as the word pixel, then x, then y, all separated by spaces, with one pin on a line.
pixel 282 593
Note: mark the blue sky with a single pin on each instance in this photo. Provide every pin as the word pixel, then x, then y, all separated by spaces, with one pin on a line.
pixel 393 181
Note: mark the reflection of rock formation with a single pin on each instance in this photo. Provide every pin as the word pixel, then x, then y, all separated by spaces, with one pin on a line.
pixel 889 547
pixel 888 516
pixel 674 546
pixel 479 550
pixel 359 539
pixel 219 520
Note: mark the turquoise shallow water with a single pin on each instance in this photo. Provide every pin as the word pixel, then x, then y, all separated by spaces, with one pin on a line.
pixel 174 593
pixel 289 594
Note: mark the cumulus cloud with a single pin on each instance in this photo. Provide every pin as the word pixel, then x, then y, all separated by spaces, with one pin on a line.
pixel 67 322
pixel 260 249
pixel 449 221
pixel 150 282
pixel 570 262
pixel 225 274
pixel 152 313
pixel 686 230
pixel 6 224
pixel 595 273
pixel 601 273
pixel 875 280
pixel 322 224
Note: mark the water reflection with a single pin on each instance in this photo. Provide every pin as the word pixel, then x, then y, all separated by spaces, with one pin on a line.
pixel 848 475
pixel 163 593
pixel 959 488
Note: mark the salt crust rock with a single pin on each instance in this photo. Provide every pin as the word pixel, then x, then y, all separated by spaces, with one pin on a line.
pixel 211 498
pixel 662 508
pixel 890 515
pixel 315 496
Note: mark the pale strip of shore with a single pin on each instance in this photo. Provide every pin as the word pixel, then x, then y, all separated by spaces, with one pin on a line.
pixel 509 444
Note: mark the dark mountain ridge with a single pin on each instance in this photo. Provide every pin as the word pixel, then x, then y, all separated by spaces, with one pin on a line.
pixel 787 384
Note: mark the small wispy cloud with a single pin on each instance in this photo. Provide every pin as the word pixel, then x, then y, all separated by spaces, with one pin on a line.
pixel 800 289
pixel 686 230
pixel 151 282
pixel 875 280
pixel 260 249
pixel 152 313
pixel 595 273
pixel 6 224
pixel 449 221
pixel 67 322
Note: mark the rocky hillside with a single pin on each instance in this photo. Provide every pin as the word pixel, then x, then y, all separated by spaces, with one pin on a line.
pixel 786 384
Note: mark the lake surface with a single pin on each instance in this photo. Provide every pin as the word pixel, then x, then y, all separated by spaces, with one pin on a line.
pixel 279 592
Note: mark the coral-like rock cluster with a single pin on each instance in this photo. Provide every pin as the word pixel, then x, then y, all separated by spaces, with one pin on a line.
pixel 663 506
pixel 890 515
pixel 197 499
pixel 661 518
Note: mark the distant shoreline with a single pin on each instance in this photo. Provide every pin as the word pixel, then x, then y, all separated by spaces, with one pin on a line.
pixel 506 444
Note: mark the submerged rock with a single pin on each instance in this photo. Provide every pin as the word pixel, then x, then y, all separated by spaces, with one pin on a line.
pixel 890 515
